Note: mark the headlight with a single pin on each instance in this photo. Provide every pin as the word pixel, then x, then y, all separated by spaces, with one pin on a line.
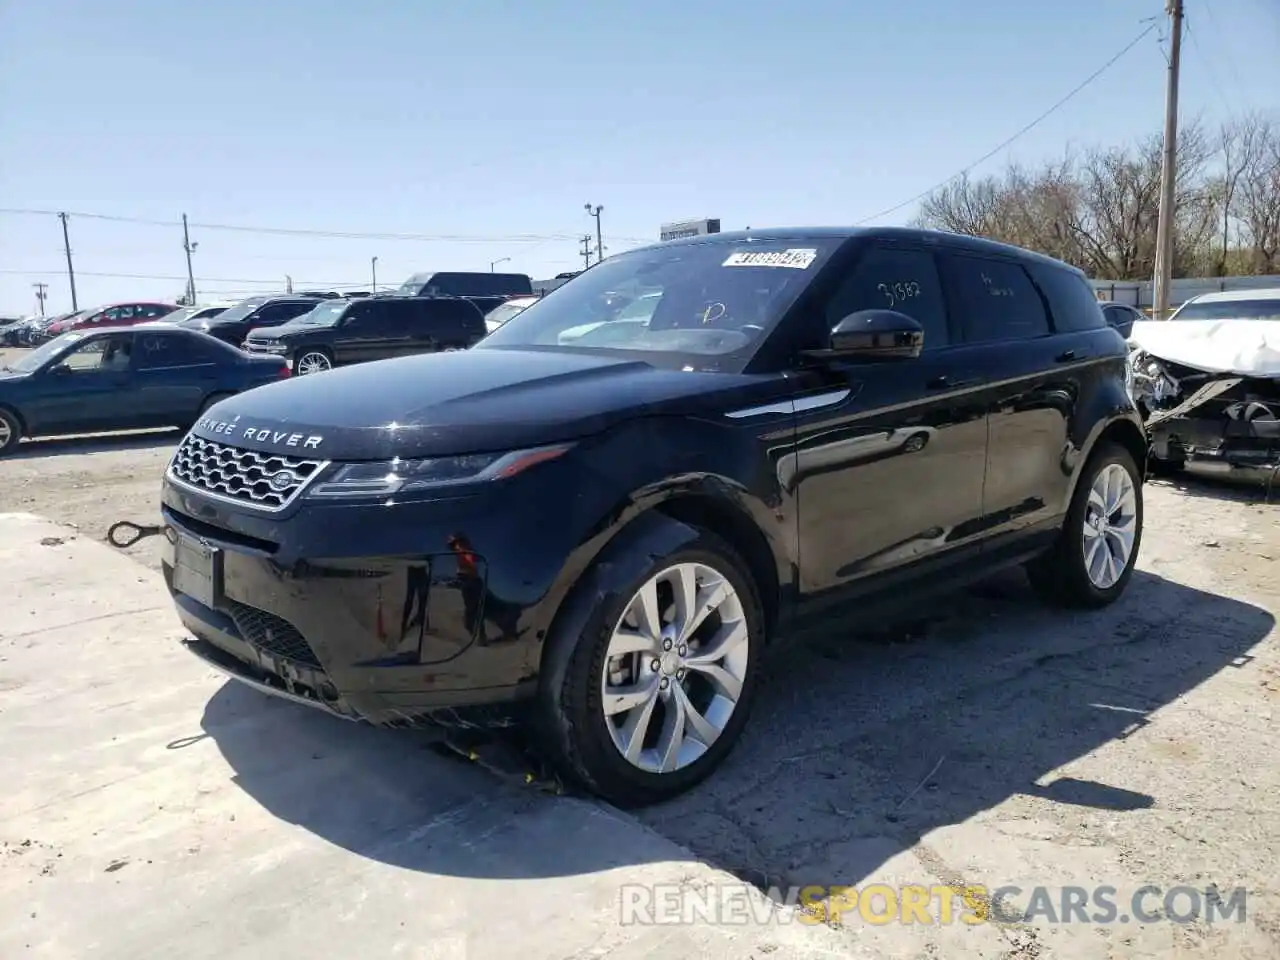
pixel 385 478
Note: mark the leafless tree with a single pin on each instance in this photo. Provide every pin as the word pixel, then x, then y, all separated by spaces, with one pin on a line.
pixel 1099 208
pixel 1259 196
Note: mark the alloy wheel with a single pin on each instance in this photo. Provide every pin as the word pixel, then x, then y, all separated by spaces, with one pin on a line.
pixel 313 363
pixel 1110 525
pixel 675 667
pixel 6 434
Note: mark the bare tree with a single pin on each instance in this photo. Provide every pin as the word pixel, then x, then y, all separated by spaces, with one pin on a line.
pixel 1259 196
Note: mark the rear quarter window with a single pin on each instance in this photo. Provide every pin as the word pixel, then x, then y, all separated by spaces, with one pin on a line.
pixel 1072 302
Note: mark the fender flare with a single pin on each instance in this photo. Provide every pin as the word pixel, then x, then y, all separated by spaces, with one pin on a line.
pixel 621 560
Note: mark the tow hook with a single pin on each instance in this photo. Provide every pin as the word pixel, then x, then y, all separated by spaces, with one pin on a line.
pixel 124 533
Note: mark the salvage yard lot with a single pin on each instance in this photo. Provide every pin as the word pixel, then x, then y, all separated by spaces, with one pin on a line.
pixel 152 810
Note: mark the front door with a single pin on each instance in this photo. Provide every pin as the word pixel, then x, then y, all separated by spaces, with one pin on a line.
pixel 1034 388
pixel 890 455
pixel 90 387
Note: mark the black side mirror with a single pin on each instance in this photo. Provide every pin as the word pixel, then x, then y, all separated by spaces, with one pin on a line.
pixel 59 370
pixel 874 335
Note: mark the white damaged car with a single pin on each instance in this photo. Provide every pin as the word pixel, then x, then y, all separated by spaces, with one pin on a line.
pixel 1208 383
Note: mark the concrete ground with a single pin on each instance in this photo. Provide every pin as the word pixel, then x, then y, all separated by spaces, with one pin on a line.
pixel 153 809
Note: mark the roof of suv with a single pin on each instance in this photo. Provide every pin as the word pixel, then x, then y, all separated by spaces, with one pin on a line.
pixel 954 240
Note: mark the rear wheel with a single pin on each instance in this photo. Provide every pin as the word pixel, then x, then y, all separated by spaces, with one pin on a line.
pixel 312 361
pixel 1093 559
pixel 661 681
pixel 10 431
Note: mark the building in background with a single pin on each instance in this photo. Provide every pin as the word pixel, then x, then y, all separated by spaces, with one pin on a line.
pixel 688 228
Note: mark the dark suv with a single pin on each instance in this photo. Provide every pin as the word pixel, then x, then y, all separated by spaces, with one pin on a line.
pixel 233 325
pixel 339 332
pixel 598 519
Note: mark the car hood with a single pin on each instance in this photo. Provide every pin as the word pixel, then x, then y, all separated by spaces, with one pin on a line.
pixel 1249 348
pixel 467 401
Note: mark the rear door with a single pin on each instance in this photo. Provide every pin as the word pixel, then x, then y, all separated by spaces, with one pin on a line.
pixel 174 372
pixel 394 324
pixel 458 324
pixel 1005 328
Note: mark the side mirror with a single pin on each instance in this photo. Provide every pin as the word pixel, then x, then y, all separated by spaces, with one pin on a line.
pixel 874 335
pixel 59 370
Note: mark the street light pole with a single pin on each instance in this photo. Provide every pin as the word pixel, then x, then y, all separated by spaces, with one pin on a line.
pixel 373 267
pixel 599 234
pixel 189 247
pixel 494 263
pixel 71 272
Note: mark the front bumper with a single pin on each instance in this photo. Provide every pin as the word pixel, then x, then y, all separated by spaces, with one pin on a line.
pixel 365 611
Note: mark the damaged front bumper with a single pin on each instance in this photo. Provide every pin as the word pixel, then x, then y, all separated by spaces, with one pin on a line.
pixel 1219 422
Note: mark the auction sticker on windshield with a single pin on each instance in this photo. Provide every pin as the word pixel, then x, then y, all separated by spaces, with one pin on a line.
pixel 798 258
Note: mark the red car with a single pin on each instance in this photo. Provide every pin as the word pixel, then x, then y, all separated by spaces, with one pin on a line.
pixel 113 315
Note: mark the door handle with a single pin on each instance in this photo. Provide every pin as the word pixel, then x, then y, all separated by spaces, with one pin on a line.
pixel 1066 357
pixel 945 382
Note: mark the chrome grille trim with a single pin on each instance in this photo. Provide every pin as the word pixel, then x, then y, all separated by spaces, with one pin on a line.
pixel 240 476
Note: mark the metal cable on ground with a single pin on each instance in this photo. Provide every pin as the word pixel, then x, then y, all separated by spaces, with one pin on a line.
pixel 1030 126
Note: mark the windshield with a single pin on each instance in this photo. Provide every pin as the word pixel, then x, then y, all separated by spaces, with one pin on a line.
pixel 326 314
pixel 411 286
pixel 1230 310
pixel 240 310
pixel 708 304
pixel 505 311
pixel 42 354
pixel 181 314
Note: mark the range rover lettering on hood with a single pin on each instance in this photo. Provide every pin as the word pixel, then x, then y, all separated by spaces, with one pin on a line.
pixel 234 429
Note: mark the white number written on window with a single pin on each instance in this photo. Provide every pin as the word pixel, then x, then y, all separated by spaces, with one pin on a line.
pixel 899 292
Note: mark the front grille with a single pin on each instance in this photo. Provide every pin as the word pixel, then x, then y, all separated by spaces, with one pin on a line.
pixel 271 634
pixel 268 481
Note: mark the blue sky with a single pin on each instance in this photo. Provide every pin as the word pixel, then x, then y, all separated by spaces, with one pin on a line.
pixel 498 121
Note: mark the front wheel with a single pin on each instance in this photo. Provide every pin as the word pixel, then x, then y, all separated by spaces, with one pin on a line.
pixel 661 681
pixel 312 361
pixel 10 432
pixel 1094 557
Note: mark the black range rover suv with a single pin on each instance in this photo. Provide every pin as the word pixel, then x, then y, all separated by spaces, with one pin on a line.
pixel 340 332
pixel 596 526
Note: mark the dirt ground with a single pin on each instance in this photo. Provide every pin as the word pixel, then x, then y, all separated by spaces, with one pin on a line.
pixel 999 743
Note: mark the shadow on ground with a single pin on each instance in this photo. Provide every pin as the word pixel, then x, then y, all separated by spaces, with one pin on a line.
pixel 1259 488
pixel 857 748
pixel 95 443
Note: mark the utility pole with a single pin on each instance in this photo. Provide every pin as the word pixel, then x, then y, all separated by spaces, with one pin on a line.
pixel 599 236
pixel 373 268
pixel 41 293
pixel 190 248
pixel 586 251
pixel 71 273
pixel 1168 166
pixel 288 284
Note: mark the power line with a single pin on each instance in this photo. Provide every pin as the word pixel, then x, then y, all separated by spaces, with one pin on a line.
pixel 1208 66
pixel 1030 126
pixel 181 278
pixel 299 232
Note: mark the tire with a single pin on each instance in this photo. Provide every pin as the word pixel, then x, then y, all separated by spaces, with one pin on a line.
pixel 1061 576
pixel 570 718
pixel 312 360
pixel 10 431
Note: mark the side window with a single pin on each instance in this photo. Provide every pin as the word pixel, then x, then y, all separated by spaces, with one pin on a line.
pixel 889 278
pixel 997 300
pixel 149 311
pixel 1072 301
pixel 157 350
pixel 100 354
pixel 383 319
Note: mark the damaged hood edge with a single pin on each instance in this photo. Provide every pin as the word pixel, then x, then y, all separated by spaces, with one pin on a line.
pixel 1249 348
